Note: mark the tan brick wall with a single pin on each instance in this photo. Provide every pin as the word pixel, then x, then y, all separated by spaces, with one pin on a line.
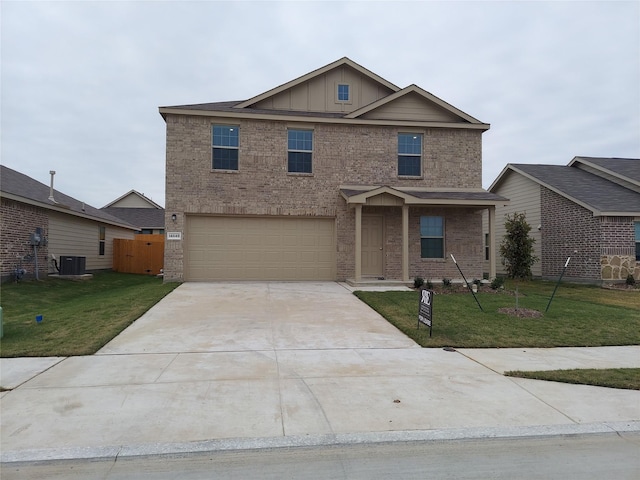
pixel 342 155
pixel 18 222
pixel 601 248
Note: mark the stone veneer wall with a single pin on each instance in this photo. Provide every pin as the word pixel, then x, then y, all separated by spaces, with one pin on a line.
pixel 601 248
pixel 618 256
pixel 343 154
pixel 18 222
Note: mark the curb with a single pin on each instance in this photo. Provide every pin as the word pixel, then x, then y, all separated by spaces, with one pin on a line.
pixel 239 444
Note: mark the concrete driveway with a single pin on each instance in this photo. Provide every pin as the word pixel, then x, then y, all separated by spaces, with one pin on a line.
pixel 286 361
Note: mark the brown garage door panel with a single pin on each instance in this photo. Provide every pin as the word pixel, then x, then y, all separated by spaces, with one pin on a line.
pixel 250 248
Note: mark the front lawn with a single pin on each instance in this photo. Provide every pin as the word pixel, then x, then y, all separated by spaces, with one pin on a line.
pixel 78 317
pixel 625 378
pixel 579 316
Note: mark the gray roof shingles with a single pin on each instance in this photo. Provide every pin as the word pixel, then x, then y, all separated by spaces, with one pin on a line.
pixel 20 185
pixel 229 107
pixel 627 167
pixel 452 195
pixel 142 217
pixel 598 193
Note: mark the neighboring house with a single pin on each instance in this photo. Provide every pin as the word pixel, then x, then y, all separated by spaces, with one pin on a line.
pixel 134 208
pixel 66 226
pixel 588 210
pixel 336 175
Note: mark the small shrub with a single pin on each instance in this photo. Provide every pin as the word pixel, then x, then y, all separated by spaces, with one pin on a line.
pixel 497 283
pixel 429 284
pixel 630 280
pixel 446 282
pixel 476 281
pixel 418 282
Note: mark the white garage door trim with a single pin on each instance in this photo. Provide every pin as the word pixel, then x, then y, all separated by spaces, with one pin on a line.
pixel 259 248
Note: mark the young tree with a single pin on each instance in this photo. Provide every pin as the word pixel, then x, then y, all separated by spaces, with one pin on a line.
pixel 517 247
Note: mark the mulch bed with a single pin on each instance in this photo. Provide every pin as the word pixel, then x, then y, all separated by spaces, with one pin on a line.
pixel 521 312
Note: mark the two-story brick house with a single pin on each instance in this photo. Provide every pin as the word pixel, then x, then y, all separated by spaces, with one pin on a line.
pixel 336 175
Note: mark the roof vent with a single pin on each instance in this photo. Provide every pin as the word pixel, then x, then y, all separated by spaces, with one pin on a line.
pixel 51 199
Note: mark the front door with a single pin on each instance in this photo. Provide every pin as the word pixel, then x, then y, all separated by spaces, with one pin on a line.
pixel 372 246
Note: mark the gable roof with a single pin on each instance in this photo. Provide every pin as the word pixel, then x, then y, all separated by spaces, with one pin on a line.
pixel 316 73
pixel 422 93
pixel 593 192
pixel 626 169
pixel 135 193
pixel 142 217
pixel 423 195
pixel 438 113
pixel 22 188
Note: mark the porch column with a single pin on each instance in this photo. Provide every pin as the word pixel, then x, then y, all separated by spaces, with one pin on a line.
pixel 358 243
pixel 492 242
pixel 405 243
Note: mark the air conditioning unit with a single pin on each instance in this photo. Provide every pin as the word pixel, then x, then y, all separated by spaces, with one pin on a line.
pixel 70 265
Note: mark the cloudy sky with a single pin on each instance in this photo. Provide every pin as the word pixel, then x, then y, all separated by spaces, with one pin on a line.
pixel 81 82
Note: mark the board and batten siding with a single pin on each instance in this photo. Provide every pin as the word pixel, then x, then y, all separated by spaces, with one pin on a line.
pixel 70 235
pixel 319 93
pixel 525 198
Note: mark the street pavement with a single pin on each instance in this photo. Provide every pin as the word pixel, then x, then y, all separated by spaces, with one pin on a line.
pixel 228 366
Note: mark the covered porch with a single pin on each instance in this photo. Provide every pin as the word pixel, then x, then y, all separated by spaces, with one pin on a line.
pixel 388 245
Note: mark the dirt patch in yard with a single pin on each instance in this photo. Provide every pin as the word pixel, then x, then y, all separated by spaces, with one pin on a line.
pixel 521 312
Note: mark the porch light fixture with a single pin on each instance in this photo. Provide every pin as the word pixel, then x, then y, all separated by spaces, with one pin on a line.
pixel 174 217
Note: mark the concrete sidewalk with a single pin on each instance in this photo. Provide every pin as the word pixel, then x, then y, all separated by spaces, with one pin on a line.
pixel 241 366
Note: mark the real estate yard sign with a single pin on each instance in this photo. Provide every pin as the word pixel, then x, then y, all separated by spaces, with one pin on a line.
pixel 425 309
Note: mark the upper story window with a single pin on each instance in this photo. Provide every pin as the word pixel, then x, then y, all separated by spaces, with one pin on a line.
pixel 225 147
pixel 409 154
pixel 431 237
pixel 300 150
pixel 343 92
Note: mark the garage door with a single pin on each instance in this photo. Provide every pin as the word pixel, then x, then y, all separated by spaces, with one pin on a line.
pixel 259 248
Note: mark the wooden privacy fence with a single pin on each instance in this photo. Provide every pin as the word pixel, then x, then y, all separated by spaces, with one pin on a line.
pixel 144 254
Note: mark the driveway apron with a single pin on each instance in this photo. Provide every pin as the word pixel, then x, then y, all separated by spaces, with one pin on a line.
pixel 215 361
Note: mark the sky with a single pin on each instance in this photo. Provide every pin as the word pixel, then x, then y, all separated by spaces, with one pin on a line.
pixel 81 82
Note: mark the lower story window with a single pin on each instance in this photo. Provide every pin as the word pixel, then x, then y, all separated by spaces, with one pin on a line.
pixel 637 241
pixel 431 237
pixel 102 235
pixel 486 246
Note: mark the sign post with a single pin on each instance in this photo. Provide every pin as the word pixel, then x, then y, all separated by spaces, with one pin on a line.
pixel 425 310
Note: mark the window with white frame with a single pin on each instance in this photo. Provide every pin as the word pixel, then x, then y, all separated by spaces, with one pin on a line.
pixel 299 151
pixel 637 224
pixel 102 237
pixel 409 154
pixel 343 92
pixel 486 246
pixel 225 147
pixel 431 237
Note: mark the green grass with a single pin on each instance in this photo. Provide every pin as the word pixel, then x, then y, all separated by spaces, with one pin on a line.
pixel 626 378
pixel 79 317
pixel 579 316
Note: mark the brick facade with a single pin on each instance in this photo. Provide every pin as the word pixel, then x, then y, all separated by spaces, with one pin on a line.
pixel 18 222
pixel 601 248
pixel 343 155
